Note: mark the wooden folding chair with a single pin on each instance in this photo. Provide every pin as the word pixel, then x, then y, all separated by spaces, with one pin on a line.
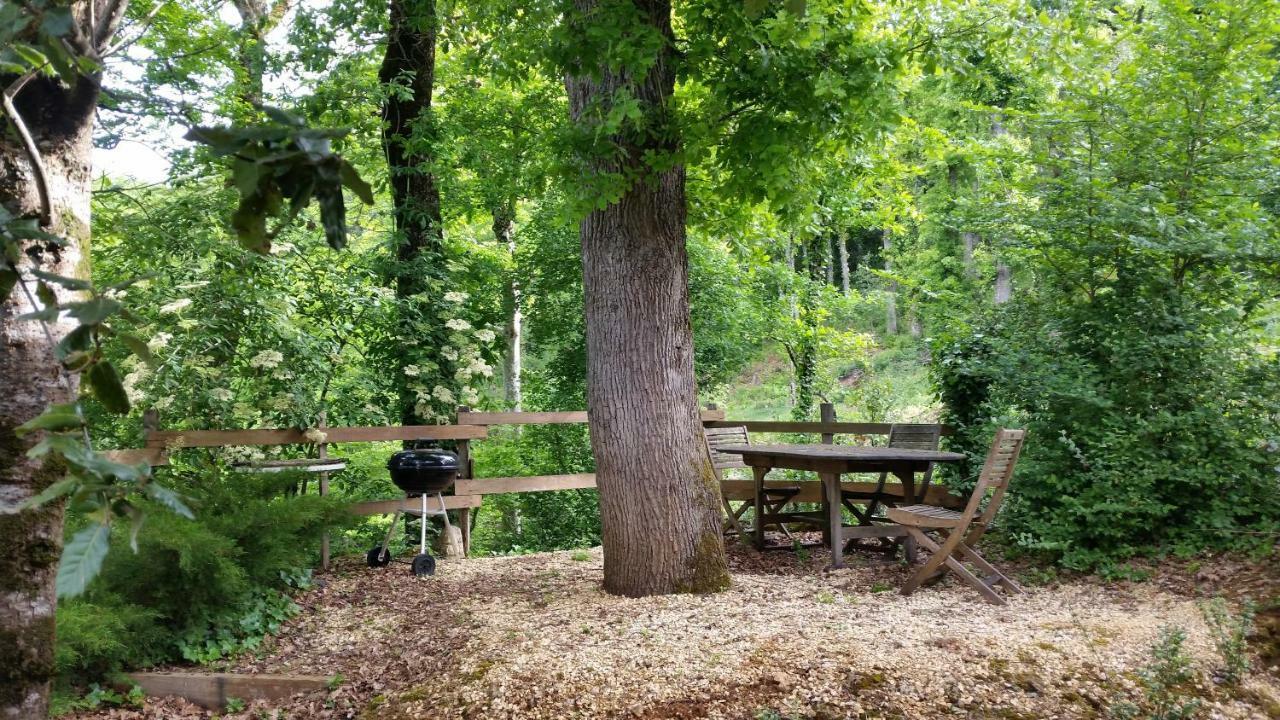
pixel 962 530
pixel 774 497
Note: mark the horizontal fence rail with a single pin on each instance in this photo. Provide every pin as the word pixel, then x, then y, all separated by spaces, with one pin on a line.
pixel 547 418
pixel 834 428
pixel 294 436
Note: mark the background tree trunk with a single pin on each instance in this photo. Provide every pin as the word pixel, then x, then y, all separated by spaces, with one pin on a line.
pixel 891 296
pixel 504 232
pixel 659 499
pixel 60 120
pixel 409 64
pixel 1004 284
pixel 842 244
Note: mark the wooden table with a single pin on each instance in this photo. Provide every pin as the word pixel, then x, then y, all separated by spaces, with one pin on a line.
pixel 829 462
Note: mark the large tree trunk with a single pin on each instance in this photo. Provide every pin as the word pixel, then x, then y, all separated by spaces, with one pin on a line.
pixel 659 499
pixel 409 66
pixel 60 120
pixel 503 231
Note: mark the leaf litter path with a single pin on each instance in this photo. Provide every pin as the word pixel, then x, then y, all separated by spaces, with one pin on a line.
pixel 536 637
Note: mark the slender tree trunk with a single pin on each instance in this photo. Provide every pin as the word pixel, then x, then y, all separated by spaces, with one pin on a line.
pixel 891 296
pixel 842 244
pixel 1004 276
pixel 831 263
pixel 970 240
pixel 408 67
pixel 503 231
pixel 793 307
pixel 659 499
pixel 1004 284
pixel 61 121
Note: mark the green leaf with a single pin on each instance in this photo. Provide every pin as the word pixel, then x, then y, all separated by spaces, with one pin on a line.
pixel 246 174
pixel 754 8
pixel 94 310
pixel 795 7
pixel 69 283
pixel 352 180
pixel 57 417
pixel 169 499
pixel 56 21
pixel 82 559
pixel 8 280
pixel 138 347
pixel 284 117
pixel 105 383
pixel 32 56
pixel 78 340
pixel 65 486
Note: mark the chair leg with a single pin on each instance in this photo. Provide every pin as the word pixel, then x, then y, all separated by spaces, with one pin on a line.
pixel 776 508
pixel 731 519
pixel 958 568
pixel 974 581
pixel 935 561
pixel 989 569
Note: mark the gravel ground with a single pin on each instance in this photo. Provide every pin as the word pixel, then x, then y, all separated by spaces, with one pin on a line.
pixel 535 637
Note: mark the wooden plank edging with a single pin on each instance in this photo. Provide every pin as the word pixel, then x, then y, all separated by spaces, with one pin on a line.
pixel 212 690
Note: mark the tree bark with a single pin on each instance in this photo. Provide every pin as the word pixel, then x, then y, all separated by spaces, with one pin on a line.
pixel 659 499
pixel 1004 284
pixel 891 296
pixel 970 240
pixel 504 232
pixel 408 67
pixel 842 243
pixel 60 120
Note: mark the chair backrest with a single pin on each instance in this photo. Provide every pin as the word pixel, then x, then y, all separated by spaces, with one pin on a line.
pixel 914 436
pixel 719 437
pixel 996 473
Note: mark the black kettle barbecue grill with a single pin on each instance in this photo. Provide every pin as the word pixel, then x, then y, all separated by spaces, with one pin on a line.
pixel 419 473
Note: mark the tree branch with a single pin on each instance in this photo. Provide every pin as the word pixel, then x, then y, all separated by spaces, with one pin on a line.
pixel 29 143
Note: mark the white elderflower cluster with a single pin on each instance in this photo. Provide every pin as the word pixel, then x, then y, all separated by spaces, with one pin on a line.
pixel 267 359
pixel 175 307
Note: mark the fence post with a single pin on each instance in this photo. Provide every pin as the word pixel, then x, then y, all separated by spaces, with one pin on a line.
pixel 464 471
pixel 827 412
pixel 323 450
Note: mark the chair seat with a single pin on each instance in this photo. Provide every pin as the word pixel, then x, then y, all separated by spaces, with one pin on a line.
pixel 924 516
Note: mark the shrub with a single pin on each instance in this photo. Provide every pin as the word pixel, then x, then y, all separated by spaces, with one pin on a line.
pixel 1230 634
pixel 197 589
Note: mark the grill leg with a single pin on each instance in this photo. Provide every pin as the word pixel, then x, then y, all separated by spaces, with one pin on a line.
pixel 422 544
pixel 386 541
pixel 443 512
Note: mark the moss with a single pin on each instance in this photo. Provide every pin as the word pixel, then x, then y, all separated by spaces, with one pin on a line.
pixel 859 682
pixel 26 659
pixel 22 567
pixel 708 568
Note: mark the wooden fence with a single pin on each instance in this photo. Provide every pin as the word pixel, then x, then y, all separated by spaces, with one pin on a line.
pixel 468 489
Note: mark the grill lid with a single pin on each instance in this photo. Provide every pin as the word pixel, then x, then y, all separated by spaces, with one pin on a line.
pixel 423 459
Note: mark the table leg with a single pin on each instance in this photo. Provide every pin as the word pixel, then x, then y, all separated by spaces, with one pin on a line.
pixel 759 473
pixel 835 519
pixel 908 478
